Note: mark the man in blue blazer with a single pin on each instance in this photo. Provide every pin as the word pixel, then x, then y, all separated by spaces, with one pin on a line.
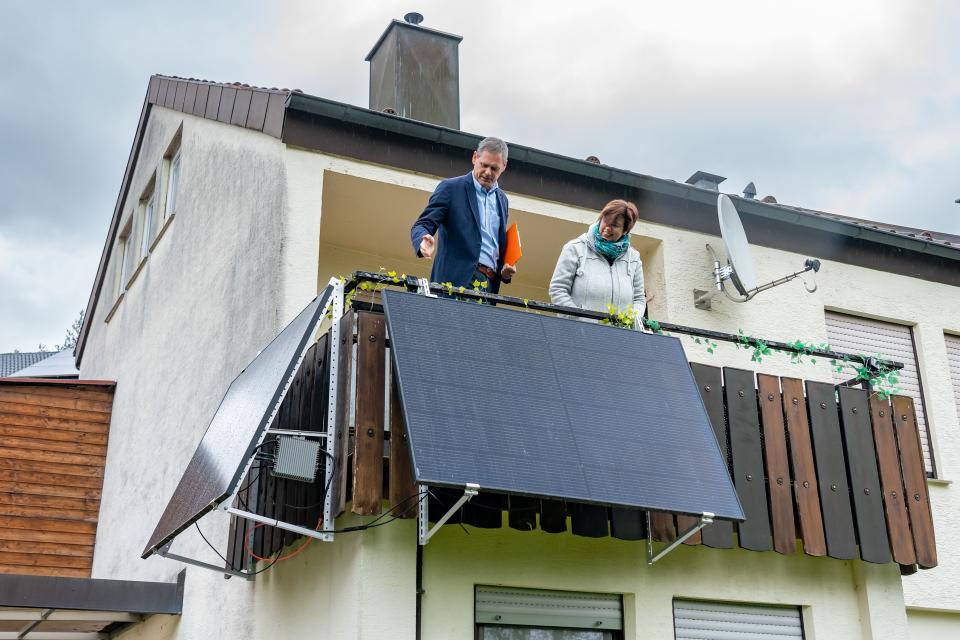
pixel 467 216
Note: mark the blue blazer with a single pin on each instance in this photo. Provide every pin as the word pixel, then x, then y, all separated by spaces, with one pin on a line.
pixel 453 218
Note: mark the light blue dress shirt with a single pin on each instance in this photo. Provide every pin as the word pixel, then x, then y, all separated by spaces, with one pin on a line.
pixel 488 206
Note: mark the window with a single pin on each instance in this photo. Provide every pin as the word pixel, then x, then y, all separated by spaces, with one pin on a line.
pixel 953 364
pixel 173 181
pixel 126 249
pixel 700 620
pixel 148 205
pixel 504 613
pixel 853 334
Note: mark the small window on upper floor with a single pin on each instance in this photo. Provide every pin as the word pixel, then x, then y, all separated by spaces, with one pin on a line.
pixel 126 249
pixel 171 163
pixel 147 211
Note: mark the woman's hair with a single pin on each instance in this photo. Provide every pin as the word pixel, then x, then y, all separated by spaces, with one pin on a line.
pixel 621 210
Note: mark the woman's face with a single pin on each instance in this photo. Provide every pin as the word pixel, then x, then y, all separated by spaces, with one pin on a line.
pixel 611 229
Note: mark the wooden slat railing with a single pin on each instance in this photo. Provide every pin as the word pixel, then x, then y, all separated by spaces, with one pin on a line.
pixel 840 477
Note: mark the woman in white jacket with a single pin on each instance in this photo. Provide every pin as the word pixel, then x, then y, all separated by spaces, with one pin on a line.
pixel 600 269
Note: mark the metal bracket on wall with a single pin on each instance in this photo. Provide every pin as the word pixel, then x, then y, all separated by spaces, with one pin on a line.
pixel 164 552
pixel 424 531
pixel 423 288
pixel 702 521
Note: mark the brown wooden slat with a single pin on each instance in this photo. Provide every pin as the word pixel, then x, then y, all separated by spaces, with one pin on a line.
pixel 863 475
pixel 52 490
pixel 45 467
pixel 200 103
pixel 895 508
pixel 180 95
pixel 53 435
pixel 344 371
pixel 276 108
pixel 718 535
pixel 66 537
pixel 258 110
pixel 915 481
pixel 190 97
pixel 153 88
pixel 47 524
pixel 47 571
pixel 46 548
pixel 43 422
pixel 22 409
pixel 213 102
pixel 320 400
pixel 241 107
pixel 49 479
pixel 55 445
pixel 777 464
pixel 52 502
pixel 95 394
pixel 227 97
pixel 69 516
pixel 403 489
pixel 43 560
pixel 60 402
pixel 52 457
pixel 747 457
pixel 368 450
pixel 835 505
pixel 162 91
pixel 662 526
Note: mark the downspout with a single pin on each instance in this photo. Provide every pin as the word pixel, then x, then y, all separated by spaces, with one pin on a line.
pixel 419 620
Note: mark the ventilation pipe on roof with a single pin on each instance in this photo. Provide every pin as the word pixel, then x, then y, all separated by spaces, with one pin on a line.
pixel 750 191
pixel 416 72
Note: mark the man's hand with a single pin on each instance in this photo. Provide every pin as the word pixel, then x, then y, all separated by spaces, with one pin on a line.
pixel 508 272
pixel 427 246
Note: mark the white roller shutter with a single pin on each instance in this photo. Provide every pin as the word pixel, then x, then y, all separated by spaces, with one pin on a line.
pixel 542 608
pixel 953 361
pixel 871 337
pixel 698 620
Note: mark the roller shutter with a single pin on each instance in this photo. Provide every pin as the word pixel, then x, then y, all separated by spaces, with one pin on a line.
pixel 541 608
pixel 871 337
pixel 698 620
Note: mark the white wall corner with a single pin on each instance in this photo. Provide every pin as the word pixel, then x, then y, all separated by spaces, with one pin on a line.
pixel 880 596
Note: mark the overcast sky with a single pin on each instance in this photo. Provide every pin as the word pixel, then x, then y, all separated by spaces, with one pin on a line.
pixel 851 107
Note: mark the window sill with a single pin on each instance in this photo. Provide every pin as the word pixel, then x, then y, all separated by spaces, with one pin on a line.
pixel 939 482
pixel 163 230
pixel 113 309
pixel 136 272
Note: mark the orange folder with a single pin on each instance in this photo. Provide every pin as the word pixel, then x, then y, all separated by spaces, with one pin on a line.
pixel 513 251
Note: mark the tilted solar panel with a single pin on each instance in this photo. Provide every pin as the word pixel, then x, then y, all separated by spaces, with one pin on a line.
pixel 553 407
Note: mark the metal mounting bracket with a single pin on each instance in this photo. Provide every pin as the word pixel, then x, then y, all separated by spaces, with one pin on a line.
pixel 702 521
pixel 423 525
pixel 164 552
pixel 423 288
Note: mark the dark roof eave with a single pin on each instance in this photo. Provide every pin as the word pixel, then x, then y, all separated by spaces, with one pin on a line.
pixel 452 137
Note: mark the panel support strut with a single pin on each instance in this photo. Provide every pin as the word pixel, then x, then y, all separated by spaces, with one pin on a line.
pixel 702 521
pixel 425 532
pixel 164 552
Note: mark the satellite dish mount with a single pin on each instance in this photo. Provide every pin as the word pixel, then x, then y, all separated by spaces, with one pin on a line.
pixel 739 269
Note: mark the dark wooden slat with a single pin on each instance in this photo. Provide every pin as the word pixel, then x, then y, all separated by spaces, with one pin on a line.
pixel 662 526
pixel 898 523
pixel 200 103
pixel 368 450
pixel 440 501
pixel 162 91
pixel 588 520
pixel 863 474
pixel 258 110
pixel 153 89
pixel 241 107
pixel 227 97
pixel 213 102
pixel 747 456
pixel 485 511
pixel 915 481
pixel 180 96
pixel 553 516
pixel 344 371
pixel 522 513
pixel 718 535
pixel 289 505
pixel 683 524
pixel 190 97
pixel 806 491
pixel 831 471
pixel 321 387
pixel 777 464
pixel 403 489
pixel 276 108
pixel 628 524
pixel 306 423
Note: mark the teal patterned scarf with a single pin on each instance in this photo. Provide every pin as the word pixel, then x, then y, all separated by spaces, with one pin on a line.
pixel 609 250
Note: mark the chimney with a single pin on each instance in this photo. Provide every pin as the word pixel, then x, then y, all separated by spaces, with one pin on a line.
pixel 706 180
pixel 416 72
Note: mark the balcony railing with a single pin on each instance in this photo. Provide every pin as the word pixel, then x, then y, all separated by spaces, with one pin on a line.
pixel 822 470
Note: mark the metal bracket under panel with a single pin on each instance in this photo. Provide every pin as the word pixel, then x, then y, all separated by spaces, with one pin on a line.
pixel 424 531
pixel 164 552
pixel 702 521
pixel 423 288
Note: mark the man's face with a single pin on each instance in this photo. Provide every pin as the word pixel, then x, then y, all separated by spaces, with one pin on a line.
pixel 487 167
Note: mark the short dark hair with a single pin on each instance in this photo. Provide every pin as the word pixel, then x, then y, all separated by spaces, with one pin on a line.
pixel 620 210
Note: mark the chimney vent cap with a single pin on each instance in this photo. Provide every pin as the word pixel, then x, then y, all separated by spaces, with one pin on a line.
pixel 750 191
pixel 413 17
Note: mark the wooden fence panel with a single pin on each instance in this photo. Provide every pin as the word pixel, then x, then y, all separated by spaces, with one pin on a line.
pixel 718 535
pixel 805 486
pixel 888 461
pixel 403 489
pixel 915 481
pixel 777 464
pixel 371 381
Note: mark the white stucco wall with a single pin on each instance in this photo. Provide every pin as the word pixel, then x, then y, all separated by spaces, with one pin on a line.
pixel 245 253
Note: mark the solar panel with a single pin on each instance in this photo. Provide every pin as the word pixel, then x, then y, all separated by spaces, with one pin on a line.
pixel 553 407
pixel 237 426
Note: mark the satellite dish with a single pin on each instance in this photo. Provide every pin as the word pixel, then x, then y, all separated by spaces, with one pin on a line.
pixel 739 269
pixel 743 276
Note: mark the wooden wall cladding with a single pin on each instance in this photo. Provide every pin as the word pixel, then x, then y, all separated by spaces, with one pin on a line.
pixel 53 447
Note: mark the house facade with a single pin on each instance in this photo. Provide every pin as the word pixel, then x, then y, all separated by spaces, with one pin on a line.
pixel 238 206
